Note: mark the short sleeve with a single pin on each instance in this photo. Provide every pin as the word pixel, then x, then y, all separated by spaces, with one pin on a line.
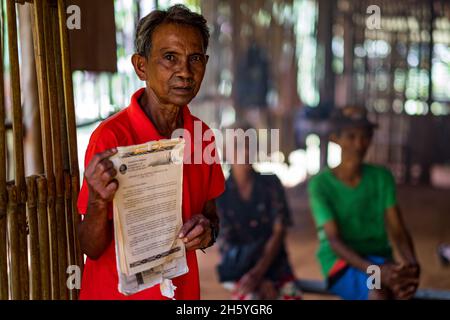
pixel 101 140
pixel 321 209
pixel 389 184
pixel 280 205
pixel 216 181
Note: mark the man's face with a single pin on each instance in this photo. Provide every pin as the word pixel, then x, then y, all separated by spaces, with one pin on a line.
pixel 354 143
pixel 176 65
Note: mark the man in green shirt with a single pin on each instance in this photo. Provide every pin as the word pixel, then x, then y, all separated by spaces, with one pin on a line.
pixel 358 221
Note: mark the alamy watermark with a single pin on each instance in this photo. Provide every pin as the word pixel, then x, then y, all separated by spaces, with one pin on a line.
pixel 74 278
pixel 73 17
pixel 374 279
pixel 373 22
pixel 236 146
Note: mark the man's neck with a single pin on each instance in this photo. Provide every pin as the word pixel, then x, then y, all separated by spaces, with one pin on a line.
pixel 165 117
pixel 349 172
pixel 241 176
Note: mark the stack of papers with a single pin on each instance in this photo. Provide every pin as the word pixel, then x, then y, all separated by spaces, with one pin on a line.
pixel 148 216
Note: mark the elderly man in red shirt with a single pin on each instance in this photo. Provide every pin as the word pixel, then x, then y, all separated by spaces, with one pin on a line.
pixel 171 58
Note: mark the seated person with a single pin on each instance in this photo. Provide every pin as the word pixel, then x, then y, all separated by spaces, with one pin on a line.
pixel 254 216
pixel 355 210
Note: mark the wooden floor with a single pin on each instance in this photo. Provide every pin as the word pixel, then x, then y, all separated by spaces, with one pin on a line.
pixel 427 215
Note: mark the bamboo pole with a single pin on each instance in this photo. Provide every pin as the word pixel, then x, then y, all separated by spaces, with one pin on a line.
pixel 3 195
pixel 3 253
pixel 41 63
pixel 71 123
pixel 57 156
pixel 14 243
pixel 18 145
pixel 44 244
pixel 69 228
pixel 60 87
pixel 35 270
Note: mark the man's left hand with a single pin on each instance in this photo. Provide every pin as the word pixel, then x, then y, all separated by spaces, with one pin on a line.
pixel 196 232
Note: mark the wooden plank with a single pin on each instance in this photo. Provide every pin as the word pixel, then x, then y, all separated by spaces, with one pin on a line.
pixel 319 287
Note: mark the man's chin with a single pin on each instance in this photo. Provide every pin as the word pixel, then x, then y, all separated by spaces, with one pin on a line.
pixel 181 101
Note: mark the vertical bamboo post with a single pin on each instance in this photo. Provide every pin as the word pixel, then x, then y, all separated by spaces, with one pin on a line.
pixel 3 195
pixel 3 251
pixel 57 156
pixel 64 145
pixel 41 63
pixel 71 123
pixel 18 145
pixel 14 243
pixel 44 244
pixel 35 271
pixel 69 225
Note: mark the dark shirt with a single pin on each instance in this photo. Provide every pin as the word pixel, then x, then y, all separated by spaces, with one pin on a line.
pixel 247 226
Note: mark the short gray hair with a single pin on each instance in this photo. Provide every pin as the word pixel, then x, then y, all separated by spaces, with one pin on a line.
pixel 177 14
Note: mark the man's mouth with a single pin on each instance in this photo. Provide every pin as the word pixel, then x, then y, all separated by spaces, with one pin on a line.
pixel 183 90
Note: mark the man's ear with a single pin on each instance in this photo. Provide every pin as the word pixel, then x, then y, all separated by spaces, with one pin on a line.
pixel 207 59
pixel 139 63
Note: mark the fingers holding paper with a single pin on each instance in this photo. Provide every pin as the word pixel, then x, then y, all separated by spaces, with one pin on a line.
pixel 196 232
pixel 100 176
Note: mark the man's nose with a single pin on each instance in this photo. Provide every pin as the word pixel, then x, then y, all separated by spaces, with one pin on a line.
pixel 184 69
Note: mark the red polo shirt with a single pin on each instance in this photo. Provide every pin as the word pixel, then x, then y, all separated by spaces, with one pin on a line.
pixel 201 182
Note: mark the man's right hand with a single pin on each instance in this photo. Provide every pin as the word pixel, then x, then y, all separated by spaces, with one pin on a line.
pixel 100 177
pixel 389 274
pixel 95 230
pixel 401 280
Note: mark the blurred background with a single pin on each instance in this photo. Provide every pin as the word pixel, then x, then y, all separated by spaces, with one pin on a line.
pixel 286 64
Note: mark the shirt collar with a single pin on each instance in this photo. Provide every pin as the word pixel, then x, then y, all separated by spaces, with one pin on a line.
pixel 143 127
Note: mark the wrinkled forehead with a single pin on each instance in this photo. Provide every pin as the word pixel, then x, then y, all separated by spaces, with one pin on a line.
pixel 177 36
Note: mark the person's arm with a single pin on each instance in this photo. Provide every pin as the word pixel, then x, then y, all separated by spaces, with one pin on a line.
pixel 389 271
pixel 197 231
pixel 95 230
pixel 253 277
pixel 341 249
pixel 400 237
pixel 272 247
pixel 408 269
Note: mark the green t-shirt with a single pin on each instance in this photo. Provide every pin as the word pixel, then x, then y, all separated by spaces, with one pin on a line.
pixel 358 211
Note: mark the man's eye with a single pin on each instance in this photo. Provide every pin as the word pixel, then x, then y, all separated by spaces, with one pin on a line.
pixel 169 57
pixel 196 58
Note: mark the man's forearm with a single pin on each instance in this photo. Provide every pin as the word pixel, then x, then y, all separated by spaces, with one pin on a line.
pixel 349 255
pixel 210 212
pixel 404 246
pixel 271 250
pixel 95 231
